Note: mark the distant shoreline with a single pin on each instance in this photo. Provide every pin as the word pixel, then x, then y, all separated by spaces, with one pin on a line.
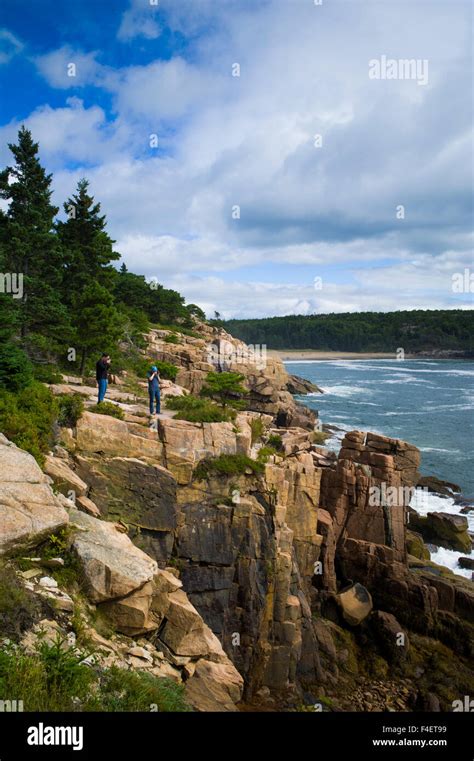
pixel 293 355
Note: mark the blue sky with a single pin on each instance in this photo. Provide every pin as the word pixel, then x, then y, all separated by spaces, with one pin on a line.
pixel 327 212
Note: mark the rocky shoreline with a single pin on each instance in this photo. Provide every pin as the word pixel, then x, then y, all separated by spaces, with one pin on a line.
pixel 290 586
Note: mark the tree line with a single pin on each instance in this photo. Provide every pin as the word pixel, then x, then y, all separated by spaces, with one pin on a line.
pixel 70 300
pixel 414 331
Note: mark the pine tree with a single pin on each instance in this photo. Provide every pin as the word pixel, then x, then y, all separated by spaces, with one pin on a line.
pixel 98 325
pixel 88 249
pixel 30 246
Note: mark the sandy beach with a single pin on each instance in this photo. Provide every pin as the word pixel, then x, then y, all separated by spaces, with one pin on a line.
pixel 294 355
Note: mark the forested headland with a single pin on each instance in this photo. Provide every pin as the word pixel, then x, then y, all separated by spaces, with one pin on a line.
pixel 449 330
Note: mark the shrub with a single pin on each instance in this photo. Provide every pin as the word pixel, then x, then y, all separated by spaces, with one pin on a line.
pixel 275 441
pixel 47 374
pixel 172 338
pixel 227 388
pixel 71 407
pixel 108 408
pixel 167 370
pixel 227 465
pixel 142 365
pixel 257 428
pixel 27 418
pixel 264 453
pixel 19 608
pixel 16 370
pixel 196 410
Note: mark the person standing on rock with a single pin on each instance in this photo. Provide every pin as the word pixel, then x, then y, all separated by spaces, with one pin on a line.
pixel 154 389
pixel 101 374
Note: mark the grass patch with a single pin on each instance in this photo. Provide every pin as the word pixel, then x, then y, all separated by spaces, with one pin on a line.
pixel 54 679
pixel 108 408
pixel 197 410
pixel 227 465
pixel 71 407
pixel 171 339
pixel 19 608
pixel 47 374
pixel 257 428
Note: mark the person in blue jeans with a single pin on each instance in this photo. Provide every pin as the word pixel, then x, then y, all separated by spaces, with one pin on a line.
pixel 101 374
pixel 154 389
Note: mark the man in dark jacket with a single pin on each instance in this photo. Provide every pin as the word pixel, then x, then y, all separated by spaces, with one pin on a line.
pixel 101 374
pixel 153 377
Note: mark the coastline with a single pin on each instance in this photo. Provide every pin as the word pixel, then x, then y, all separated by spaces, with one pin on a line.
pixel 315 355
pixel 293 355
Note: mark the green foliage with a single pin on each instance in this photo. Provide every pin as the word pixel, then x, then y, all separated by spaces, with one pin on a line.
pixel 226 388
pixel 265 453
pixel 275 441
pixel 227 465
pixel 98 322
pixel 167 370
pixel 362 331
pixel 54 679
pixel 122 690
pixel 19 608
pixel 27 418
pixel 257 428
pixel 108 408
pixel 172 338
pixel 47 373
pixel 16 370
pixel 196 410
pixel 71 407
pixel 30 244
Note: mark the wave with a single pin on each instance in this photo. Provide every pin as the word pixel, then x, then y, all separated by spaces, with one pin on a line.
pixel 449 559
pixel 437 449
pixel 345 391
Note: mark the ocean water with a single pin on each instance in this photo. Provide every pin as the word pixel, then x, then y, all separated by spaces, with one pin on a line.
pixel 429 403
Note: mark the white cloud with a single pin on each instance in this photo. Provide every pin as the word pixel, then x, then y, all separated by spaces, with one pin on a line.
pixel 249 141
pixel 140 21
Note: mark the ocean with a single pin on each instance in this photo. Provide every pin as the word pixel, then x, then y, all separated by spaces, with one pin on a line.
pixel 426 402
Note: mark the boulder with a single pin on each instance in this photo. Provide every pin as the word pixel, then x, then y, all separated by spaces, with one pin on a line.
pixel 355 604
pixel 443 529
pixel 112 566
pixel 214 687
pixel 29 510
pixel 65 479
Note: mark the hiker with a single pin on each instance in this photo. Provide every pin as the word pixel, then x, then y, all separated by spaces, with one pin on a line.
pixel 154 389
pixel 101 374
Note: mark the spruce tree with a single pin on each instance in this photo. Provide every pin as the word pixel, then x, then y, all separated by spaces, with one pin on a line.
pixel 31 248
pixel 88 249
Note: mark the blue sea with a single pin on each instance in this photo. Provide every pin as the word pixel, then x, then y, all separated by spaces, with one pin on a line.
pixel 429 403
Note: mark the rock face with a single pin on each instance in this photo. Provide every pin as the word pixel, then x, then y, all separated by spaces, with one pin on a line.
pixel 29 511
pixel 356 604
pixel 112 566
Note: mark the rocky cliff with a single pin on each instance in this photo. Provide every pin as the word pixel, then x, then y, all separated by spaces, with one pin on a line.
pixel 283 586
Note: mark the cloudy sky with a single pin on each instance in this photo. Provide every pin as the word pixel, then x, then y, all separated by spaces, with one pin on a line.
pixel 217 184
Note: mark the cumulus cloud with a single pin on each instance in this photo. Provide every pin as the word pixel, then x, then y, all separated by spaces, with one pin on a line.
pixel 250 143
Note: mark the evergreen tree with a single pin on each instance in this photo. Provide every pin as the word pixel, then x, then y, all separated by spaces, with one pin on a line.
pixel 99 325
pixel 88 249
pixel 30 246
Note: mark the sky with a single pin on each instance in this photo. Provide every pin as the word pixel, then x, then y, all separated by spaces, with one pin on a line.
pixel 250 153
